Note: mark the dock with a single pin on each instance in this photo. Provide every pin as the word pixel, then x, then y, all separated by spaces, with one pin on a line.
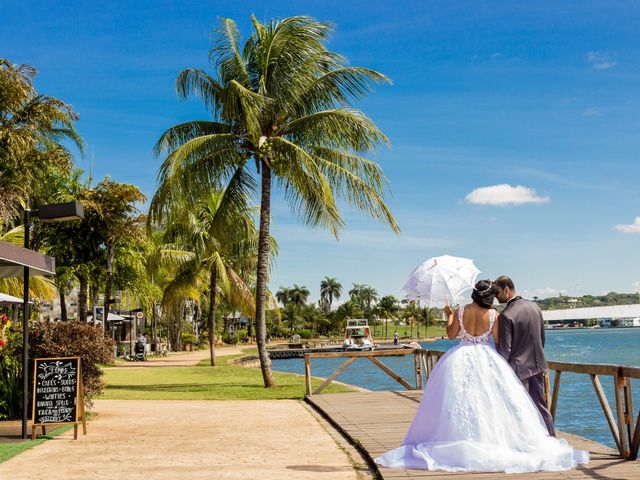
pixel 376 422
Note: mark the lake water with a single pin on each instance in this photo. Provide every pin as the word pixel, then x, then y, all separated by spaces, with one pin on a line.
pixel 578 412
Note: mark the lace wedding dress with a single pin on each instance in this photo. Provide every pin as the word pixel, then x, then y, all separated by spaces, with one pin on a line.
pixel 476 416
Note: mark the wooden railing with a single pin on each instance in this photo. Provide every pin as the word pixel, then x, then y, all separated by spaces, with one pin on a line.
pixel 625 432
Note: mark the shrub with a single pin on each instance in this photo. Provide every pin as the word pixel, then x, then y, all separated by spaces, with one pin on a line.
pixel 74 339
pixel 10 377
pixel 188 338
pixel 306 334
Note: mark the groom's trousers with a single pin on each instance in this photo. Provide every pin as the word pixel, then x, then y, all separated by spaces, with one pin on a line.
pixel 535 386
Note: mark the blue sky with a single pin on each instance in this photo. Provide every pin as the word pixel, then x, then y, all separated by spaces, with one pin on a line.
pixel 540 95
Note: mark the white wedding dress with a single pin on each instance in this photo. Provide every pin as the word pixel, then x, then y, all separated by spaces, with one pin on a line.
pixel 476 416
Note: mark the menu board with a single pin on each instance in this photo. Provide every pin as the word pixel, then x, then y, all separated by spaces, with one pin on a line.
pixel 57 390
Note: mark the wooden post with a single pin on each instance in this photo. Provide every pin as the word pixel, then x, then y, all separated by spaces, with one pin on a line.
pixel 556 391
pixel 628 408
pixel 618 383
pixel 307 373
pixel 417 368
pixel 547 389
pixel 607 410
pixel 635 443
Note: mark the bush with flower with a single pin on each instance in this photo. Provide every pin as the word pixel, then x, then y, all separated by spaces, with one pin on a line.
pixel 10 376
pixel 46 340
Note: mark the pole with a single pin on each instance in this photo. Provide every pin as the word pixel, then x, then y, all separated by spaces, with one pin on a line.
pixel 25 331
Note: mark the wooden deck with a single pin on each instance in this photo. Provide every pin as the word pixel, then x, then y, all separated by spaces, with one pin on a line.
pixel 378 421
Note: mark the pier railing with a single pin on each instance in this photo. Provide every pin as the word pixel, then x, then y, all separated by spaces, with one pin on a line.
pixel 625 431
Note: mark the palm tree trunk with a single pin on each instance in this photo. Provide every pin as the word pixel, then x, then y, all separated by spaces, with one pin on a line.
pixel 63 305
pixel 262 277
pixel 211 317
pixel 111 253
pixel 83 294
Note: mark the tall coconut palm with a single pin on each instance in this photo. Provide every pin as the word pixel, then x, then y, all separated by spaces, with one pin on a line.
pixel 330 289
pixel 283 101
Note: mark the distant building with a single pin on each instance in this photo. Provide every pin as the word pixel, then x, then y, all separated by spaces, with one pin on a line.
pixel 616 315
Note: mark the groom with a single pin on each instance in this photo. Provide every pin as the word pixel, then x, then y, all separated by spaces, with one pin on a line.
pixel 522 343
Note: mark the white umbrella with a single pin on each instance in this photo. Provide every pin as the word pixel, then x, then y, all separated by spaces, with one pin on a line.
pixel 441 279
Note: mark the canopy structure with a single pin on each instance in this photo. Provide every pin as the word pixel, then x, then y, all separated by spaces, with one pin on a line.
pixel 13 259
pixel 112 318
pixel 6 299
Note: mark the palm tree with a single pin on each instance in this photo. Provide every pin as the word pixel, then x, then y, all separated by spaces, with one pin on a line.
pixel 330 289
pixel 204 236
pixel 298 295
pixel 369 295
pixel 283 295
pixel 33 131
pixel 388 308
pixel 282 100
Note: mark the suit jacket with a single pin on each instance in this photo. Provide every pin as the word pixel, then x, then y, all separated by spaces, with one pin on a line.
pixel 521 340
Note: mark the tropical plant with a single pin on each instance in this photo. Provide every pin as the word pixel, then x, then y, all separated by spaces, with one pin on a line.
pixel 283 295
pixel 283 101
pixel 388 308
pixel 118 219
pixel 299 295
pixel 330 290
pixel 210 235
pixel 34 129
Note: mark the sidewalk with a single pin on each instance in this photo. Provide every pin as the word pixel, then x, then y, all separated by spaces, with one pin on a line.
pixel 168 440
pixel 183 359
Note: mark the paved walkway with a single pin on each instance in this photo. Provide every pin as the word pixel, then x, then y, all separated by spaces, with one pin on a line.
pixel 194 440
pixel 183 359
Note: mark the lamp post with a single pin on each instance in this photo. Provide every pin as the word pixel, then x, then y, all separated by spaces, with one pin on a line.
pixel 56 212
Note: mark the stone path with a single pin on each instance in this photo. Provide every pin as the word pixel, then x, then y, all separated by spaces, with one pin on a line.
pixel 166 439
pixel 194 440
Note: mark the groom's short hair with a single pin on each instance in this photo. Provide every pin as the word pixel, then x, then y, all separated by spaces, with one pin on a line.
pixel 504 281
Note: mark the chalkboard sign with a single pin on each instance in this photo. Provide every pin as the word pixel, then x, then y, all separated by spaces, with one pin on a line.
pixel 58 393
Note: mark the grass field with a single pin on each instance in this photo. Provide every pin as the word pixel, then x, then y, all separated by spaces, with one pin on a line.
pixel 202 382
pixel 10 450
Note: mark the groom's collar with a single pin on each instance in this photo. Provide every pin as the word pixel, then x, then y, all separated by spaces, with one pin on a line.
pixel 513 299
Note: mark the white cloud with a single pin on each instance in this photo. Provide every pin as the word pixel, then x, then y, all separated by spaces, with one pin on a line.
pixel 636 286
pixel 592 112
pixel 543 292
pixel 632 228
pixel 505 194
pixel 601 60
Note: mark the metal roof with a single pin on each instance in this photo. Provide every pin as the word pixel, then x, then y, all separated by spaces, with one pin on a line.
pixel 14 258
pixel 614 311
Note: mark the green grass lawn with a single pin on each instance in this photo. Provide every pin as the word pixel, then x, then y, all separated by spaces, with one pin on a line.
pixel 202 382
pixel 10 450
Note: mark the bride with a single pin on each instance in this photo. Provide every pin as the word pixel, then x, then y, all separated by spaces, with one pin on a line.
pixel 475 415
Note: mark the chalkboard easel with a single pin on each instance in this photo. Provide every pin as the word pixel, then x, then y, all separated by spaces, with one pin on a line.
pixel 58 394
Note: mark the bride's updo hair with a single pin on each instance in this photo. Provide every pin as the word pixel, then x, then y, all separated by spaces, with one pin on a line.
pixel 484 293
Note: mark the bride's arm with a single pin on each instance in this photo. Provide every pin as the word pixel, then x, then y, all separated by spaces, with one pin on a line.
pixel 496 330
pixel 453 327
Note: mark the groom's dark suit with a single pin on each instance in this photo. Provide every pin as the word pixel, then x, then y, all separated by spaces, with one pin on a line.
pixel 521 343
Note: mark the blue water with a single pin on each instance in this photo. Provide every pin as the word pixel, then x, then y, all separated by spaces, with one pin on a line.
pixel 578 412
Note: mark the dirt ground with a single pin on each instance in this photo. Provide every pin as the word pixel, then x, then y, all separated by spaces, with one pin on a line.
pixel 158 440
